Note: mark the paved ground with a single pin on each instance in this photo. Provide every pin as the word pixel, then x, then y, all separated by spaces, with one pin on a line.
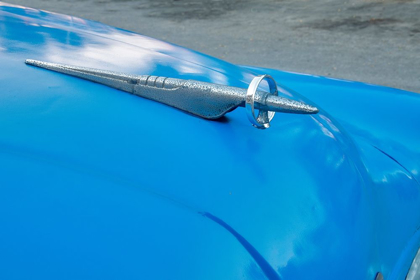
pixel 365 40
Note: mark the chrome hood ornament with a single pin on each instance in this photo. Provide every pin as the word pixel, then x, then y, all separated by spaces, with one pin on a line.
pixel 207 100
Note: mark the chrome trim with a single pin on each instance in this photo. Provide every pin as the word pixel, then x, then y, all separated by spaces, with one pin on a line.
pixel 206 100
pixel 264 117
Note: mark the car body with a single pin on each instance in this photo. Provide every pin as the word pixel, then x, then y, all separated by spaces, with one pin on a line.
pixel 99 184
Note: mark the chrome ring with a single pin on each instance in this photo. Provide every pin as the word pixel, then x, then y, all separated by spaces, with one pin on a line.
pixel 264 117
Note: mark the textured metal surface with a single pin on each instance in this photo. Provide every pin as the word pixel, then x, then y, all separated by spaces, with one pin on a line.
pixel 97 184
pixel 207 100
pixel 379 276
pixel 414 272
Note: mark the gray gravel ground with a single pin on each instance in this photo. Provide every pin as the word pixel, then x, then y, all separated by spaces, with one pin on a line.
pixel 364 40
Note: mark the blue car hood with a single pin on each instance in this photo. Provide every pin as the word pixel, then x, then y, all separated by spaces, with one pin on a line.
pixel 99 184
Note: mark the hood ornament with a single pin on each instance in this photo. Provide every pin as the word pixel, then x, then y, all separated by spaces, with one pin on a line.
pixel 206 100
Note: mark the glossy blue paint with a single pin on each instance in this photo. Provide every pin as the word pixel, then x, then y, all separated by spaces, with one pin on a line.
pixel 99 184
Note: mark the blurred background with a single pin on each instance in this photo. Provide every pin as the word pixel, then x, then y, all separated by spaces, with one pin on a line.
pixel 371 41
